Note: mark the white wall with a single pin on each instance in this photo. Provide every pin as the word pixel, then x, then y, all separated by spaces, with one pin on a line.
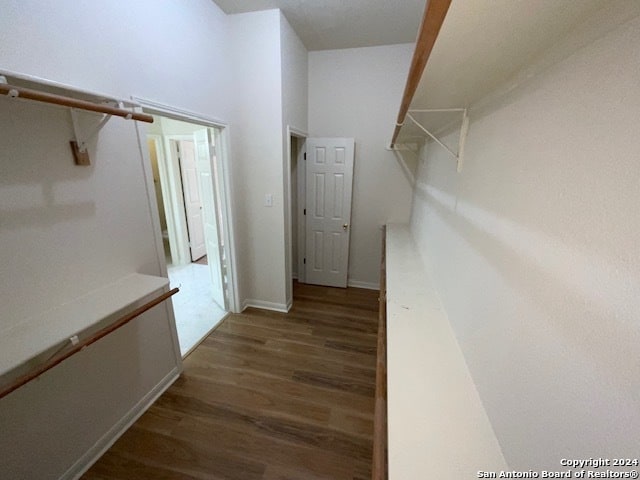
pixel 295 81
pixel 356 93
pixel 295 70
pixel 534 248
pixel 161 53
pixel 257 151
pixel 65 230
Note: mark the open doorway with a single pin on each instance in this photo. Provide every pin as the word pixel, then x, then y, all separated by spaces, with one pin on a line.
pixel 294 175
pixel 187 174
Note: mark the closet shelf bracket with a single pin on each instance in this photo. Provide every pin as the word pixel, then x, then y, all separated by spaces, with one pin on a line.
pixel 79 145
pixel 464 130
pixel 98 104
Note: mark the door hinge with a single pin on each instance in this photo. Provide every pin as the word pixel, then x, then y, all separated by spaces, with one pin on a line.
pixel 305 155
pixel 304 212
pixel 304 261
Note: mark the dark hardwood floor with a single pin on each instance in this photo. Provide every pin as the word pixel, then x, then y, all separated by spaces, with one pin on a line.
pixel 266 396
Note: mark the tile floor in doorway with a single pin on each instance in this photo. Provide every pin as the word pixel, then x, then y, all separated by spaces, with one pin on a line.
pixel 195 311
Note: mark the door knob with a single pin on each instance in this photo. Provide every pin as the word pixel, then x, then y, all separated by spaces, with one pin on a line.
pixel 345 226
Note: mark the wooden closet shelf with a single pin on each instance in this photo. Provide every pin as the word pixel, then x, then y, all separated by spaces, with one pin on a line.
pixel 33 346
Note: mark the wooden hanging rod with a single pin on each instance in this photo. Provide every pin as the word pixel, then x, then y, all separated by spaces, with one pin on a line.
pixel 52 362
pixel 29 94
pixel 431 23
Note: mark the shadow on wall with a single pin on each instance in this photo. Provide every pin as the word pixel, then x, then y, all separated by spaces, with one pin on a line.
pixel 37 168
pixel 549 292
pixel 45 215
pixel 408 161
pixel 578 358
pixel 33 196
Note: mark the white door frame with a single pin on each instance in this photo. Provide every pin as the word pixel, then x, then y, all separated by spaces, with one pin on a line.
pixel 301 135
pixel 173 197
pixel 222 140
pixel 179 221
pixel 192 198
pixel 168 200
pixel 211 223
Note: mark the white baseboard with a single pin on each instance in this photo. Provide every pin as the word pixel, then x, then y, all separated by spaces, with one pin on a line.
pixel 359 284
pixel 276 307
pixel 108 439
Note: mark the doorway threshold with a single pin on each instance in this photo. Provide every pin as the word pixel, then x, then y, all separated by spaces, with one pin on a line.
pixel 196 314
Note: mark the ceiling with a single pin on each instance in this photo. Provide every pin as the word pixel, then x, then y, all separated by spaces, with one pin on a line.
pixel 335 24
pixel 483 46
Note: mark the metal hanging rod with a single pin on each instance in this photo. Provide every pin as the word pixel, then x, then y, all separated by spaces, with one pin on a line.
pixel 77 346
pixel 29 94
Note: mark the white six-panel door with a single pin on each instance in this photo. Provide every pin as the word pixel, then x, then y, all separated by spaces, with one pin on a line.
pixel 204 155
pixel 192 201
pixel 329 181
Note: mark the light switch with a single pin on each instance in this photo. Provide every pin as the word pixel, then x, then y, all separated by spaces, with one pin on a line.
pixel 268 200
